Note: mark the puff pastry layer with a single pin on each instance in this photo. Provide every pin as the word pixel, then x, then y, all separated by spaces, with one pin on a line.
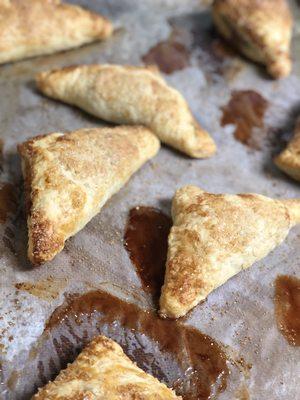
pixel 214 236
pixel 103 372
pixel 130 95
pixel 289 159
pixel 260 29
pixel 69 177
pixel 34 27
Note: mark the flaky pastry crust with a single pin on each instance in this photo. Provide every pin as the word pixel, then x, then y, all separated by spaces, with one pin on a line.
pixel 289 159
pixel 260 29
pixel 35 27
pixel 103 372
pixel 69 177
pixel 130 95
pixel 214 236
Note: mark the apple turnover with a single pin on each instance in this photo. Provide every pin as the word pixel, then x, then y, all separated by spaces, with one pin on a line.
pixel 69 177
pixel 259 29
pixel 103 372
pixel 130 95
pixel 35 27
pixel 215 236
pixel 289 159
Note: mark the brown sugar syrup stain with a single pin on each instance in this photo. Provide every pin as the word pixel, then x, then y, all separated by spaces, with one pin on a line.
pixel 242 393
pixel 182 357
pixel 246 110
pixel 146 240
pixel 13 380
pixel 195 37
pixel 8 201
pixel 287 307
pixel 171 54
pixel 1 154
pixel 47 289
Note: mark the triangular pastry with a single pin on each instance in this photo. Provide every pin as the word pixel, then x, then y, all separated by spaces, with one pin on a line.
pixel 260 29
pixel 103 372
pixel 34 27
pixel 68 178
pixel 130 95
pixel 214 236
pixel 289 159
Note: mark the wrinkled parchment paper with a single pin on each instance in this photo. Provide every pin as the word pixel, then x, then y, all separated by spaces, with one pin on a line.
pixel 240 314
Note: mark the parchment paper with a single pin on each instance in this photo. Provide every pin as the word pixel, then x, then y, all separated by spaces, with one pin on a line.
pixel 240 314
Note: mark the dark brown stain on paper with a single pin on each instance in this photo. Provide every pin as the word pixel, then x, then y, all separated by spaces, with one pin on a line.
pixel 146 240
pixel 246 110
pixel 8 201
pixel 47 289
pixel 170 55
pixel 287 307
pixel 184 358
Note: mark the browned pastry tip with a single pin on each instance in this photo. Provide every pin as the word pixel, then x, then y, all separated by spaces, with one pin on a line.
pixel 280 68
pixel 293 208
pixel 289 159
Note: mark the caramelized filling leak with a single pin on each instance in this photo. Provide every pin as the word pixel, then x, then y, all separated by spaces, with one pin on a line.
pixel 146 240
pixel 246 110
pixel 8 201
pixel 174 53
pixel 169 55
pixel 47 289
pixel 1 154
pixel 182 357
pixel 287 307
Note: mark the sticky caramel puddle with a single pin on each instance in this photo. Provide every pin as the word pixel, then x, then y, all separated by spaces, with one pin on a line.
pixel 192 363
pixel 246 110
pixel 146 240
pixel 287 307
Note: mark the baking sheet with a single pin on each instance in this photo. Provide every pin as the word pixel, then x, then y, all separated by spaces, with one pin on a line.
pixel 240 314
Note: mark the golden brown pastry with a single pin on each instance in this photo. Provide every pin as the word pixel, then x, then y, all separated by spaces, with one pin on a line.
pixel 214 236
pixel 289 159
pixel 260 29
pixel 68 178
pixel 33 27
pixel 103 372
pixel 130 95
